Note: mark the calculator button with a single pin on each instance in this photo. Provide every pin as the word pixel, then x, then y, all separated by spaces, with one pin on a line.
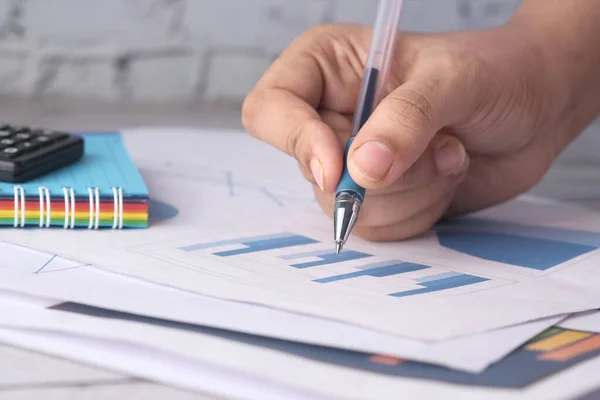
pixel 11 152
pixel 5 133
pixel 22 136
pixel 41 140
pixel 27 146
pixel 6 142
pixel 49 135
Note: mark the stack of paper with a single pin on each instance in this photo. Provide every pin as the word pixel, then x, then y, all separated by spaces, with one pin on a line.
pixel 237 277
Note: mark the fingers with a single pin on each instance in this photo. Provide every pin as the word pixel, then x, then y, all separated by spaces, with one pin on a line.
pixel 282 109
pixel 395 208
pixel 414 226
pixel 416 200
pixel 445 157
pixel 403 124
pixel 398 216
pixel 284 116
pixel 286 122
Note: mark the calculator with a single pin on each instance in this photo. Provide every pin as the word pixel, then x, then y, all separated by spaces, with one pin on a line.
pixel 27 153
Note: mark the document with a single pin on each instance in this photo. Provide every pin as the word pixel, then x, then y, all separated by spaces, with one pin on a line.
pixel 217 363
pixel 519 262
pixel 49 276
pixel 587 321
pixel 24 370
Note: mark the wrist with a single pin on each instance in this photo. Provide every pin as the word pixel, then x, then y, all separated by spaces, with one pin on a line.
pixel 565 43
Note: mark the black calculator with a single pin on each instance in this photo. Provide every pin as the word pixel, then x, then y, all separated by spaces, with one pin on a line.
pixel 27 153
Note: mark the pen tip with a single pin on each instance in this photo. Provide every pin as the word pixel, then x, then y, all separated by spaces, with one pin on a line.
pixel 338 247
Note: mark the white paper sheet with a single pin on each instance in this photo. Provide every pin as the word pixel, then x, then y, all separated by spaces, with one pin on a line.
pixel 26 370
pixel 587 321
pixel 53 277
pixel 238 370
pixel 211 209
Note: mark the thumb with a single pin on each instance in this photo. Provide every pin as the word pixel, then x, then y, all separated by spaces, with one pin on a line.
pixel 400 129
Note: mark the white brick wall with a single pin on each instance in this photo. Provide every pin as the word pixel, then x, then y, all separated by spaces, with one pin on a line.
pixel 181 50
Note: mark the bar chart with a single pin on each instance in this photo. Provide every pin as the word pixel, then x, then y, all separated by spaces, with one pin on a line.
pixel 324 257
pixel 435 283
pixel 527 246
pixel 429 280
pixel 386 268
pixel 253 244
pixel 551 352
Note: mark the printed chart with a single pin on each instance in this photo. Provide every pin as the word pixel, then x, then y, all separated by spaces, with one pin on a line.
pixel 231 184
pixel 503 260
pixel 550 352
pixel 423 278
pixel 34 262
pixel 527 246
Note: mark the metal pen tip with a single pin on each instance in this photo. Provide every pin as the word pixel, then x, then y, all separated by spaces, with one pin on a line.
pixel 338 247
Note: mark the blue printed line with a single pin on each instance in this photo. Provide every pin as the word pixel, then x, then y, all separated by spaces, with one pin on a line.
pixel 442 284
pixel 64 269
pixel 45 265
pixel 270 195
pixel 229 178
pixel 377 272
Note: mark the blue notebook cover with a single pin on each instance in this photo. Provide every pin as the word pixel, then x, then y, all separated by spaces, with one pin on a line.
pixel 104 165
pixel 103 189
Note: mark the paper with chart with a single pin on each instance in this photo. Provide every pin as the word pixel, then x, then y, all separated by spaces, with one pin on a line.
pixel 455 275
pixel 140 350
pixel 48 276
pixel 524 260
pixel 176 354
pixel 588 321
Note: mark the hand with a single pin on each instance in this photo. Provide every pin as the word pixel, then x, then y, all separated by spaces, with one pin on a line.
pixel 470 119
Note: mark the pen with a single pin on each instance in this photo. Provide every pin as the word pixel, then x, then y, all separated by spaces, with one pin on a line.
pixel 349 196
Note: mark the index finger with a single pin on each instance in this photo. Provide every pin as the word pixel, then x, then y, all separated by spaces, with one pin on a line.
pixel 282 111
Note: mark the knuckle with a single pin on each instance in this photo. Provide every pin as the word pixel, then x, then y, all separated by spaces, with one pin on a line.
pixel 474 68
pixel 411 109
pixel 317 31
pixel 450 61
pixel 321 31
pixel 465 66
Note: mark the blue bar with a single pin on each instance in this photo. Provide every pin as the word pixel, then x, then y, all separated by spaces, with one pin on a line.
pixel 471 224
pixel 378 272
pixel 523 251
pixel 307 254
pixel 267 244
pixel 332 258
pixel 379 264
pixel 442 284
pixel 437 277
pixel 210 245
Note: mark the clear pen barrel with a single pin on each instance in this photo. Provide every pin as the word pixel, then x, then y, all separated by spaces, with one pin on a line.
pixel 378 61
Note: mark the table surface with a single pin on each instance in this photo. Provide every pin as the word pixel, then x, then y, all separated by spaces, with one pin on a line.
pixel 574 178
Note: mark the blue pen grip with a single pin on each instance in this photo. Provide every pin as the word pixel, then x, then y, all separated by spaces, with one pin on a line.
pixel 346 182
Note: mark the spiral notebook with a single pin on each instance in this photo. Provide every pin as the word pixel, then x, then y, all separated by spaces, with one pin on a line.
pixel 102 190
